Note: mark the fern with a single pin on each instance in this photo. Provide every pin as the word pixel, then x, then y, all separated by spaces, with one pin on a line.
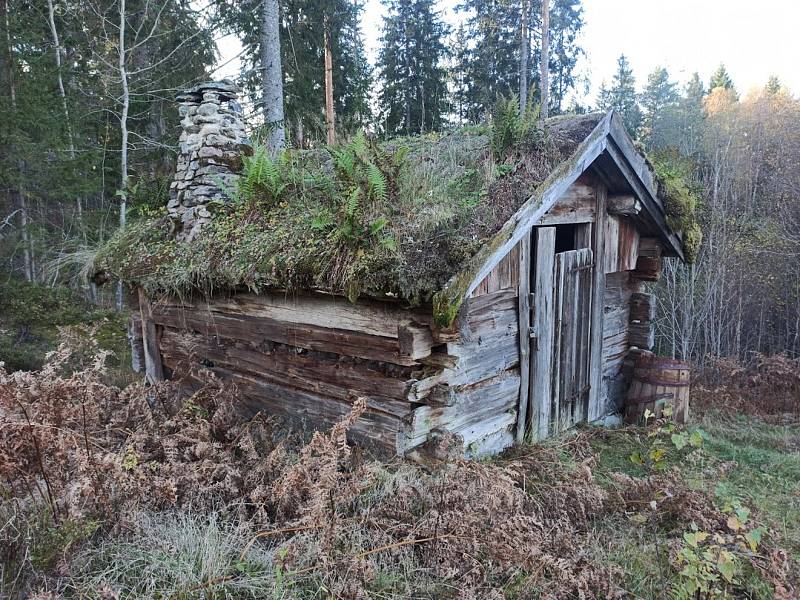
pixel 377 183
pixel 262 176
pixel 510 126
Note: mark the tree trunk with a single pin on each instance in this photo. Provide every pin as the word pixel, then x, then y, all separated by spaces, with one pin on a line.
pixel 523 58
pixel 123 127
pixel 407 69
pixel 330 121
pixel 545 65
pixel 272 76
pixel 27 243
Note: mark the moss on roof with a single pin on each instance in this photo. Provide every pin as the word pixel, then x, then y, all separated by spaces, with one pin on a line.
pixel 398 218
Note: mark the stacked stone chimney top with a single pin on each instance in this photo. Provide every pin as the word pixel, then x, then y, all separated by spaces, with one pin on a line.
pixel 212 143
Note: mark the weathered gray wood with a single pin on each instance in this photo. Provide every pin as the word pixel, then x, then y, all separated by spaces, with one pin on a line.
pixel 318 310
pixel 596 407
pixel 504 276
pixel 540 392
pixel 154 371
pixel 259 329
pixel 524 317
pixel 648 268
pixel 472 405
pixel 416 341
pixel 572 312
pixel 642 313
pixel 626 205
pixel 336 378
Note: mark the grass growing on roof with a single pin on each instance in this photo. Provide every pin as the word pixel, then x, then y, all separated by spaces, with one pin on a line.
pixel 360 219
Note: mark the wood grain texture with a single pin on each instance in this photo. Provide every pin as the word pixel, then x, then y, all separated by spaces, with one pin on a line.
pixel 154 371
pixel 540 393
pixel 524 319
pixel 596 407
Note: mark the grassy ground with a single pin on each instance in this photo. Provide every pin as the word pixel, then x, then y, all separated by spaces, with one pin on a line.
pixel 742 459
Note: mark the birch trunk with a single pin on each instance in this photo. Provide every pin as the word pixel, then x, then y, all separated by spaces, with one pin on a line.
pixel 123 126
pixel 330 117
pixel 545 65
pixel 272 76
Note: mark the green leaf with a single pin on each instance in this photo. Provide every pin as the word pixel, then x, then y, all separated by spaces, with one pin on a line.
pixel 753 538
pixel 726 565
pixel 696 438
pixel 679 440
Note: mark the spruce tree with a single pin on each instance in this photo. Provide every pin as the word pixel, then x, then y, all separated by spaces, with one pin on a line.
pixel 494 30
pixel 413 95
pixel 721 79
pixel 621 96
pixel 773 85
pixel 658 100
pixel 460 81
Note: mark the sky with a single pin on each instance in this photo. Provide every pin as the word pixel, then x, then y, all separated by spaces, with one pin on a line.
pixel 682 35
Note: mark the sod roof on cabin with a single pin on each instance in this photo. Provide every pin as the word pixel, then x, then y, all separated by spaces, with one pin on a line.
pixel 314 221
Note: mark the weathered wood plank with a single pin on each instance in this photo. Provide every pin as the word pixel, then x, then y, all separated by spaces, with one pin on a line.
pixel 596 405
pixel 318 310
pixel 503 277
pixel 642 312
pixel 260 329
pixel 416 341
pixel 311 372
pixel 524 318
pixel 136 342
pixel 154 371
pixel 576 205
pixel 626 205
pixel 472 404
pixel 540 392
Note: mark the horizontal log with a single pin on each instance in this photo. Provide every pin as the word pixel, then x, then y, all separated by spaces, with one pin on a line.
pixel 623 205
pixel 374 429
pixel 648 268
pixel 319 310
pixel 310 372
pixel 470 405
pixel 260 329
pixel 416 341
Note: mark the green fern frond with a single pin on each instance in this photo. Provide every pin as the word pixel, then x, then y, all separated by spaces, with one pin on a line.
pixel 359 146
pixel 376 180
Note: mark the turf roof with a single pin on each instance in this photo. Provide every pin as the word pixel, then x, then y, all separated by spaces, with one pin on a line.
pixel 446 195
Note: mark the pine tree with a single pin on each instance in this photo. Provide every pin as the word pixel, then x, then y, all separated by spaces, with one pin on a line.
pixel 413 96
pixel 622 96
pixel 659 101
pixel 494 30
pixel 566 22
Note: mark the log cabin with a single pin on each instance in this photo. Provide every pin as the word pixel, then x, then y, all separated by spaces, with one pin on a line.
pixel 526 337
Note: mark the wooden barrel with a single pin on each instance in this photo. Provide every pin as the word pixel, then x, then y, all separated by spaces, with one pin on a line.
pixel 658 382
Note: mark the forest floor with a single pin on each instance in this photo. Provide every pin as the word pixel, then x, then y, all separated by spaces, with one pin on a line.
pixel 110 489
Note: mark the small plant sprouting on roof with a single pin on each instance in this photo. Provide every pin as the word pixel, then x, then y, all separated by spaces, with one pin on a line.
pixel 673 173
pixel 510 126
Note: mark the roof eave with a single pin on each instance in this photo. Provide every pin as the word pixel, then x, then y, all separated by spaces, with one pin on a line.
pixel 637 173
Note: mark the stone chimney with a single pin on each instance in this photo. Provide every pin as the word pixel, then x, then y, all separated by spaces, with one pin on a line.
pixel 210 157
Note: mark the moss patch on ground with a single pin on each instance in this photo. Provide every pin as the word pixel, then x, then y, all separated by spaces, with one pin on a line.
pixel 30 317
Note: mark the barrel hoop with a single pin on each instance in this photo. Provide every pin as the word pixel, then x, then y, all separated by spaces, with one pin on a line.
pixel 659 381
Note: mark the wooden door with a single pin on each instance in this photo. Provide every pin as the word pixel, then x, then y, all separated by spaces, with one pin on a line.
pixel 560 334
pixel 571 351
